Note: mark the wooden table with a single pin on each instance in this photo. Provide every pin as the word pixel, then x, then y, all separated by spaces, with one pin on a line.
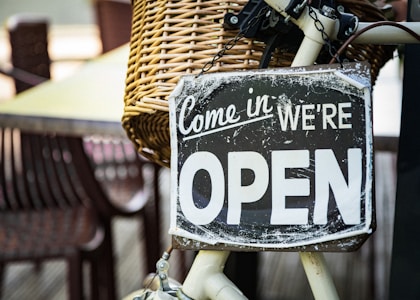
pixel 86 103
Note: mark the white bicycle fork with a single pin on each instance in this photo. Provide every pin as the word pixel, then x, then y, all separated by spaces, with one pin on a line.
pixel 207 281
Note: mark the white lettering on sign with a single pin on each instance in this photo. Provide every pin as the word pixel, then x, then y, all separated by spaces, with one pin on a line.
pixel 209 119
pixel 261 104
pixel 347 195
pixel 334 116
pixel 328 176
pixel 283 187
pixel 238 193
pixel 291 117
pixel 216 120
pixel 201 161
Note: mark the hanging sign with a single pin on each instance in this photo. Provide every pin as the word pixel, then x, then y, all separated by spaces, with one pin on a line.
pixel 273 159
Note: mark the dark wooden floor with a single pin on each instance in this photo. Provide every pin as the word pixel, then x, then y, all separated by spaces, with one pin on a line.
pixel 360 275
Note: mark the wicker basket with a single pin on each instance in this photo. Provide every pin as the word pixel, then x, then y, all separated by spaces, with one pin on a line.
pixel 174 38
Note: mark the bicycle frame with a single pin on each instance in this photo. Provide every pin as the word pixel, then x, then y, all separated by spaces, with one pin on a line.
pixel 205 279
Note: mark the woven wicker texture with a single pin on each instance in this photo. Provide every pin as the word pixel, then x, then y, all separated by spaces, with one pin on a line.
pixel 173 38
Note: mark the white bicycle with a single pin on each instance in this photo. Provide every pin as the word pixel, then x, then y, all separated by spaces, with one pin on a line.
pixel 206 279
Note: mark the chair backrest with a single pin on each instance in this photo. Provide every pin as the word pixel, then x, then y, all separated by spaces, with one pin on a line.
pixel 38 172
pixel 114 21
pixel 28 35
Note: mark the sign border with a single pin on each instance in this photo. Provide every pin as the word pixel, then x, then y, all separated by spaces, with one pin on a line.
pixel 331 242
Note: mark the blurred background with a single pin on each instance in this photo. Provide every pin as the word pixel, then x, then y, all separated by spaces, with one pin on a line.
pixel 73 34
pixel 74 38
pixel 60 12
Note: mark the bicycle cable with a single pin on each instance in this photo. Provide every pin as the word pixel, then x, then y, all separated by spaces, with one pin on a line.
pixel 166 255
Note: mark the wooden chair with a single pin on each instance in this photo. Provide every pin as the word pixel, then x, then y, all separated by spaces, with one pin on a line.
pixel 52 204
pixel 114 21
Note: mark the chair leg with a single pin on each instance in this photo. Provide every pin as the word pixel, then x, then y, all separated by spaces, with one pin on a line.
pixel 94 291
pixel 75 277
pixel 103 286
pixel 2 269
pixel 37 265
pixel 151 244
pixel 151 223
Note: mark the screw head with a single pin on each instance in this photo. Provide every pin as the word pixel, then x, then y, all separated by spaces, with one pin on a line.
pixel 233 20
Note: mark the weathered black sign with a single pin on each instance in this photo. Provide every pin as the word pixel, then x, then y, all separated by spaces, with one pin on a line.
pixel 277 158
